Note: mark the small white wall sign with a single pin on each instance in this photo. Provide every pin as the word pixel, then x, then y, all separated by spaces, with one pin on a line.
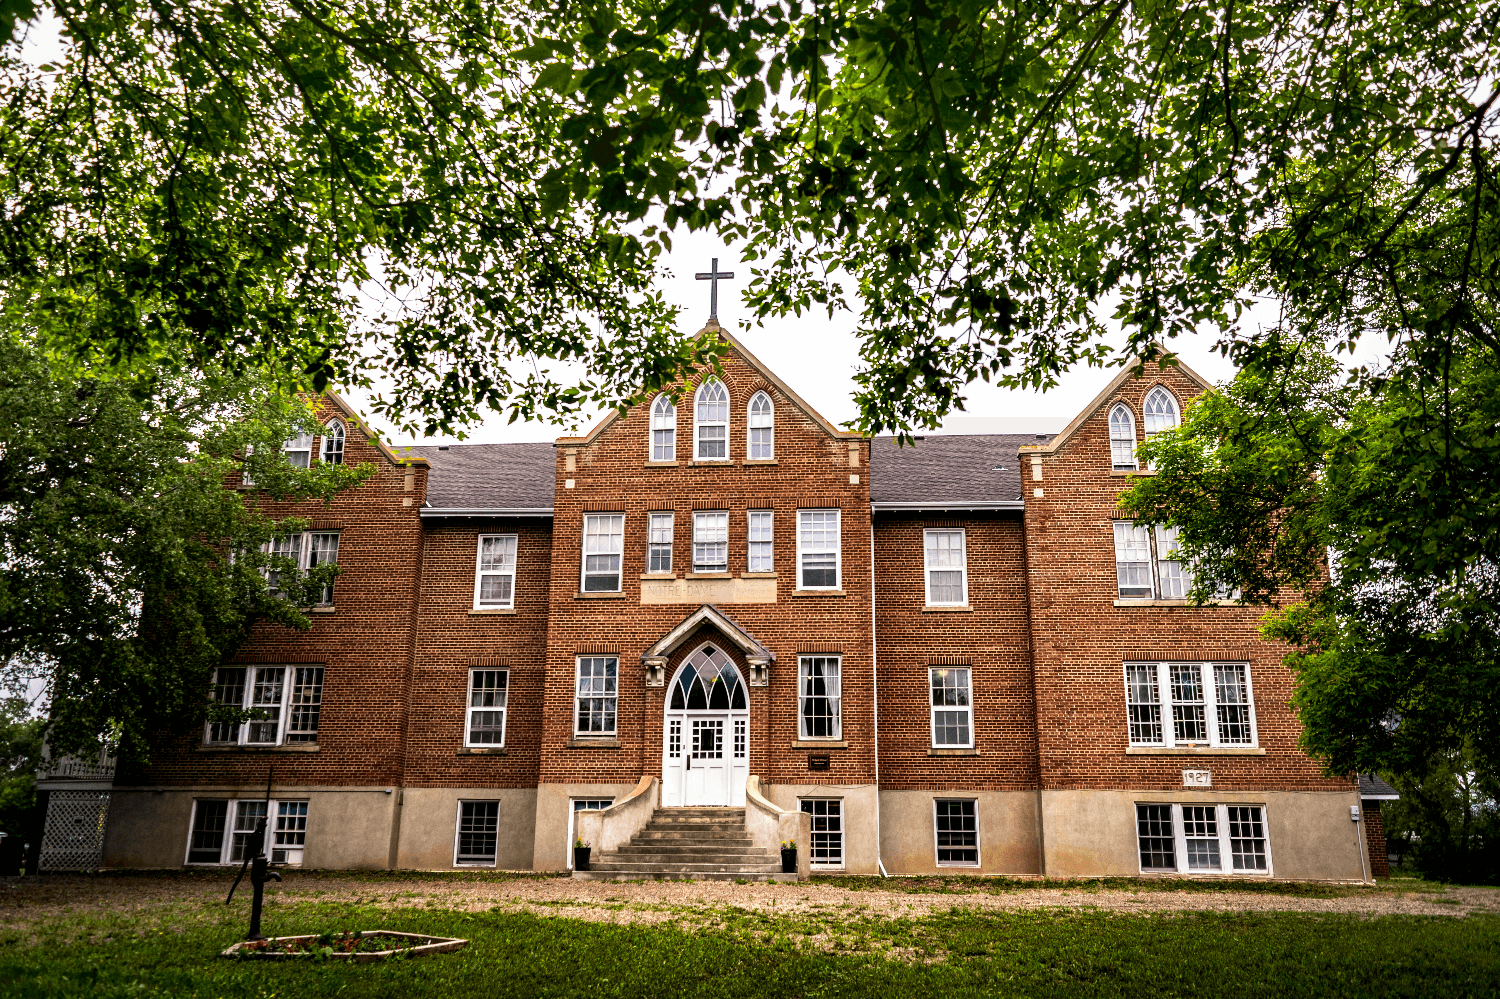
pixel 1197 778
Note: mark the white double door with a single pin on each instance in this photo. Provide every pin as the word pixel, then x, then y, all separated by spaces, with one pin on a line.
pixel 704 759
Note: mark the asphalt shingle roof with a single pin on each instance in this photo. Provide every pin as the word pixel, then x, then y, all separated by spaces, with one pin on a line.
pixel 491 476
pixel 1371 786
pixel 956 469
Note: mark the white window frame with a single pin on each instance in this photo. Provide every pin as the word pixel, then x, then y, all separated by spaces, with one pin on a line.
pixel 834 696
pixel 618 553
pixel 660 526
pixel 803 550
pixel 760 550
pixel 1222 816
pixel 334 432
pixel 1167 576
pixel 710 535
pixel 471 708
pixel 967 708
pixel 306 548
pixel 313 676
pixel 963 567
pixel 291 852
pixel 1155 422
pixel 609 691
pixel 699 423
pixel 458 823
pixel 810 805
pixel 760 421
pixel 1121 418
pixel 663 421
pixel 978 835
pixel 302 444
pixel 506 570
pixel 1207 674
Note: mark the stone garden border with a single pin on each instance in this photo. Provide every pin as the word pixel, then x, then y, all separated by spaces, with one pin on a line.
pixel 433 945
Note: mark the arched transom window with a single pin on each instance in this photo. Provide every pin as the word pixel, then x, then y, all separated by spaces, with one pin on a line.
pixel 711 428
pixel 333 442
pixel 663 429
pixel 709 682
pixel 762 443
pixel 1161 411
pixel 1122 438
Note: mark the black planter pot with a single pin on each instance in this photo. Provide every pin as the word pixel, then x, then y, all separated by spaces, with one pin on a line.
pixel 789 861
pixel 581 857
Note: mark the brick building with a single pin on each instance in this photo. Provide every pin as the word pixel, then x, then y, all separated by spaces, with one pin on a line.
pixel 953 655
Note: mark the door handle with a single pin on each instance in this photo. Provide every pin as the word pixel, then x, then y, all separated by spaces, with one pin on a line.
pixel 690 761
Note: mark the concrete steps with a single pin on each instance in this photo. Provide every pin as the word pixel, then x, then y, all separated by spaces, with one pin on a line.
pixel 698 844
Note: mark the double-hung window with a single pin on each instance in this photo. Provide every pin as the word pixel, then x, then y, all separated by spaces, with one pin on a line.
pixel 1202 839
pixel 222 830
pixel 495 572
pixel 603 546
pixel 1189 704
pixel 711 427
pixel 659 543
pixel 333 442
pixel 820 700
pixel 760 554
pixel 956 822
pixel 762 429
pixel 818 549
pixel 1148 565
pixel 598 692
pixel 663 429
pixel 298 451
pixel 827 847
pixel 947 568
pixel 285 703
pixel 711 541
pixel 306 551
pixel 952 708
pixel 478 834
pixel 489 692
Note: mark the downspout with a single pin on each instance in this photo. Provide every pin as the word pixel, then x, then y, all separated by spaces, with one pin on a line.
pixel 1359 839
pixel 875 689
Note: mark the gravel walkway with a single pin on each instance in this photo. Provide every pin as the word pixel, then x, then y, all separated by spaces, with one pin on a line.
pixel 26 900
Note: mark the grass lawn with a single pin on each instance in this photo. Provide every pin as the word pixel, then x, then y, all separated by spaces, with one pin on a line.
pixel 170 950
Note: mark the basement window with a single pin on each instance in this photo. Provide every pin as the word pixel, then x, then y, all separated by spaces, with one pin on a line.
pixel 1202 839
pixel 222 829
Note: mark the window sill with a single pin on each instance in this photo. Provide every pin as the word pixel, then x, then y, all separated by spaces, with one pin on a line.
pixel 600 595
pixel 761 461
pixel 1147 602
pixel 710 462
pixel 953 608
pixel 483 751
pixel 321 610
pixel 584 742
pixel 757 575
pixel 300 747
pixel 952 751
pixel 658 575
pixel 1194 751
pixel 820 744
pixel 709 575
pixel 1121 473
pixel 661 464
pixel 489 611
pixel 819 593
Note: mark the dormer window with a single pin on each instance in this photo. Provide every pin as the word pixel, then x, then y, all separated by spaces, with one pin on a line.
pixel 333 443
pixel 762 429
pixel 663 429
pixel 1122 439
pixel 1161 411
pixel 711 428
pixel 298 451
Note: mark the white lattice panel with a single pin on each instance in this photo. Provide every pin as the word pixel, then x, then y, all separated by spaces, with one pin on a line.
pixel 73 838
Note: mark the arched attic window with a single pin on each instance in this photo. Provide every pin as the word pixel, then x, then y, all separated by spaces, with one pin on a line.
pixel 333 442
pixel 711 428
pixel 761 445
pixel 663 429
pixel 1161 411
pixel 1122 438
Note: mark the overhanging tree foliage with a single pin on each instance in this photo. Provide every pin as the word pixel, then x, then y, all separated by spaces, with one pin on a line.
pixel 127 570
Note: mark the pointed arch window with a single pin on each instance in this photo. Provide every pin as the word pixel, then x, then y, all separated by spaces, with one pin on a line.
pixel 1161 411
pixel 709 683
pixel 663 429
pixel 711 427
pixel 333 442
pixel 762 429
pixel 1122 439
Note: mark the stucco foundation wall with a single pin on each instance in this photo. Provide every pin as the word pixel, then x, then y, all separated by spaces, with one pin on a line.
pixel 858 815
pixel 549 844
pixel 1007 832
pixel 347 828
pixel 429 826
pixel 1092 833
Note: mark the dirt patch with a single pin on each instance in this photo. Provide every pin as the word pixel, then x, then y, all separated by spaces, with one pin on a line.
pixel 25 901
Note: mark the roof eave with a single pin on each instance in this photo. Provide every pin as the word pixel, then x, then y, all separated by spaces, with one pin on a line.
pixel 507 511
pixel 940 506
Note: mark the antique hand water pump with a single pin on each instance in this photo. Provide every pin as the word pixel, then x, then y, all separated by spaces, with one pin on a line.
pixel 255 859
